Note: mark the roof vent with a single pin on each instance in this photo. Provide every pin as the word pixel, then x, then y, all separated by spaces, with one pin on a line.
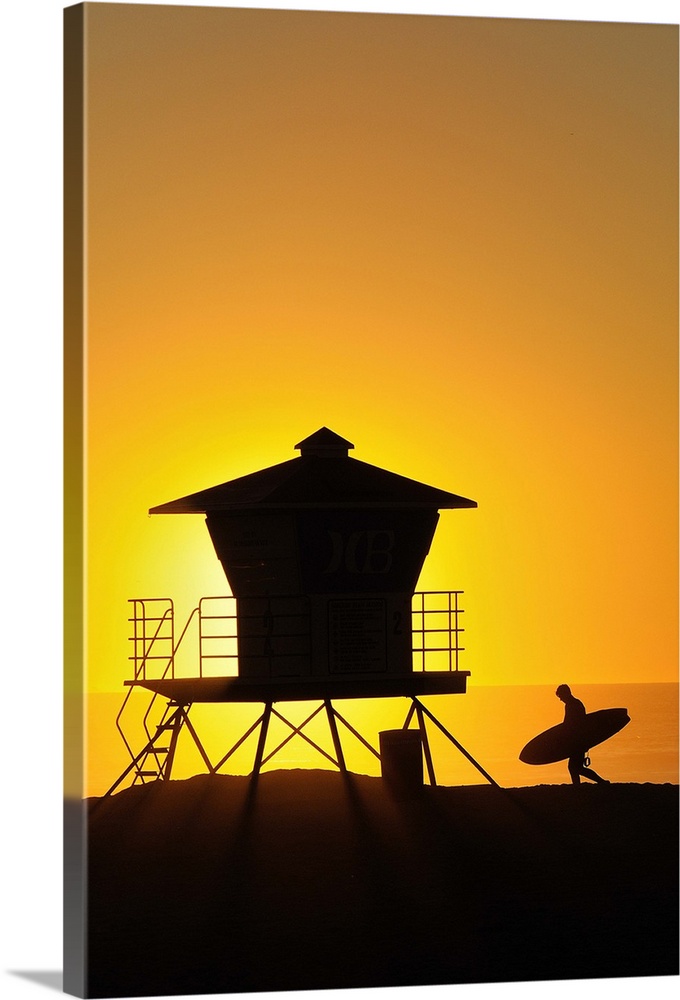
pixel 325 444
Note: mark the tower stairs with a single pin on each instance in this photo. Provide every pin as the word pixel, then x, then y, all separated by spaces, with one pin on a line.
pixel 154 762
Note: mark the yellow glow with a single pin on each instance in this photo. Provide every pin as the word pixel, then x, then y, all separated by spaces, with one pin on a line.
pixel 451 241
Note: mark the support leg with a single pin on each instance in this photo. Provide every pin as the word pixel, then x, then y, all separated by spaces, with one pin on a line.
pixel 335 734
pixel 259 754
pixel 456 743
pixel 426 745
pixel 178 720
pixel 409 714
pixel 199 745
pixel 237 744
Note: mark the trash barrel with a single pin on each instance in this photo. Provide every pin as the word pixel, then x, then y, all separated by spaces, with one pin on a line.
pixel 401 762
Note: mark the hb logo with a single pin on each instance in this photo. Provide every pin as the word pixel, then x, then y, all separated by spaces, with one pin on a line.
pixel 361 552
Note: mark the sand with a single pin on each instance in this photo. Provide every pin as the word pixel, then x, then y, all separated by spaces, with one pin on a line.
pixel 308 880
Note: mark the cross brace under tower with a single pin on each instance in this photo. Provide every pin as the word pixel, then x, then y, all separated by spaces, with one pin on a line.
pixel 155 760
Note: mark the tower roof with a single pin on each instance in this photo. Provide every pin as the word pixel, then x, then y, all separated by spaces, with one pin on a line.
pixel 323 476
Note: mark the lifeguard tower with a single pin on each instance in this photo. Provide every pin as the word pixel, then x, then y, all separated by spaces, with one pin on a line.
pixel 322 554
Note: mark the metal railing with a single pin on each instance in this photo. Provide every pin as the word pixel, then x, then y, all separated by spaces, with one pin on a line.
pixel 214 629
pixel 436 629
pixel 274 623
pixel 153 633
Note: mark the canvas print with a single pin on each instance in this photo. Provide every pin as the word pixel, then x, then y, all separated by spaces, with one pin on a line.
pixel 371 500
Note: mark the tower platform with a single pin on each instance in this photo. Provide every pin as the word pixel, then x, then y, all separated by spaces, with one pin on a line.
pixel 190 690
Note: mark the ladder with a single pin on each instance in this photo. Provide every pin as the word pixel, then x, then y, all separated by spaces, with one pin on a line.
pixel 154 761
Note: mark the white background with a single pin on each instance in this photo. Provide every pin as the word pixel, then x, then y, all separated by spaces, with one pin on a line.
pixel 30 483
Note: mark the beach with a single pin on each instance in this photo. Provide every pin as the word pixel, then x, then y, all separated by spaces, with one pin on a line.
pixel 310 880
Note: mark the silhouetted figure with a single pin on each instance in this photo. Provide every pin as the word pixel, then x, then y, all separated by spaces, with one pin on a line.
pixel 574 715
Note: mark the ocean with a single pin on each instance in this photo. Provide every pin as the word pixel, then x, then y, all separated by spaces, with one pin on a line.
pixel 491 723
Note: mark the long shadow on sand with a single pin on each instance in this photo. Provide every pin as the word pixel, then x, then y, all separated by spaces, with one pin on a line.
pixel 311 881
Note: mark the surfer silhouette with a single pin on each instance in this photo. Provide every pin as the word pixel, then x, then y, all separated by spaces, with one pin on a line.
pixel 574 718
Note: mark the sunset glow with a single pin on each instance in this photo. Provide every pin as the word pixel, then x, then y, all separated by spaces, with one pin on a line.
pixel 450 240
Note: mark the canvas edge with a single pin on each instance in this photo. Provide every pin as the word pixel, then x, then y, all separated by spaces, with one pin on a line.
pixel 75 844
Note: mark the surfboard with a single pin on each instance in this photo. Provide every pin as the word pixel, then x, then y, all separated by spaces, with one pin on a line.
pixel 562 741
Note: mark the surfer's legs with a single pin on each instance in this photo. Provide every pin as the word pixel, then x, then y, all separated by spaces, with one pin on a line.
pixel 577 768
pixel 575 765
pixel 588 772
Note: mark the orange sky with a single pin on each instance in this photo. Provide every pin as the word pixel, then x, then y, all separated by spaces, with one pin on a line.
pixel 452 241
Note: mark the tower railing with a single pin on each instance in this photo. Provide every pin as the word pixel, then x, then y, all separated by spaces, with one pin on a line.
pixel 435 620
pixel 153 633
pixel 436 629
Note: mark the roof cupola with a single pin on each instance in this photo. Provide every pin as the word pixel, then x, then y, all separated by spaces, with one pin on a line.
pixel 324 444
